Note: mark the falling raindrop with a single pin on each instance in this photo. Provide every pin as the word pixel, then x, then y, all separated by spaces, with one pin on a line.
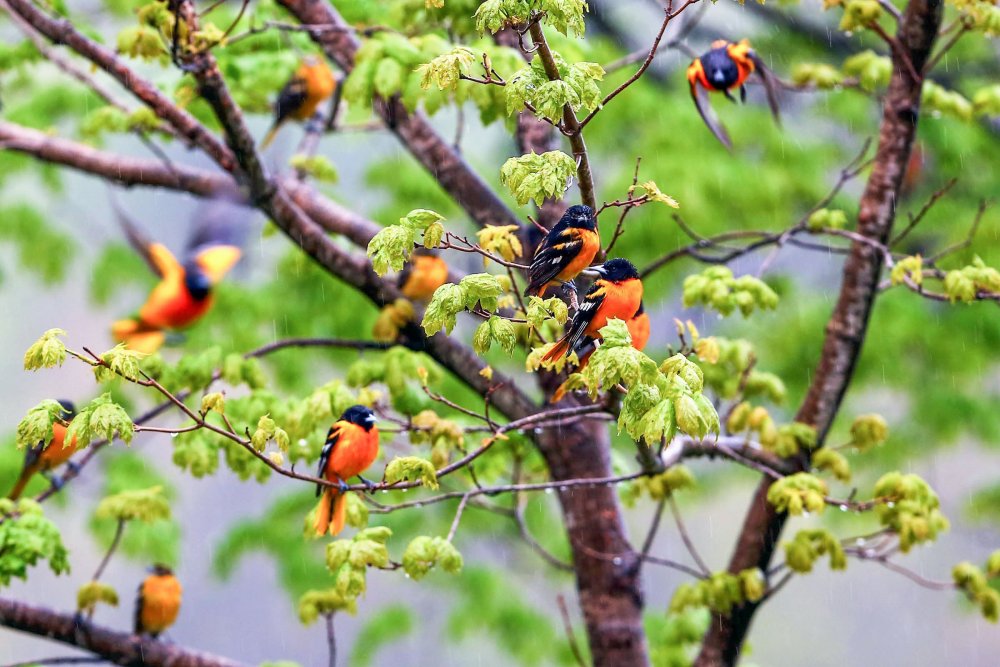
pixel 843 507
pixel 617 560
pixel 174 435
pixel 549 490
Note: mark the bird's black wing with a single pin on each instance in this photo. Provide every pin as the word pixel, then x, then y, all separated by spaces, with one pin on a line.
pixel 332 437
pixel 704 107
pixel 556 252
pixel 136 238
pixel 137 620
pixel 290 99
pixel 585 315
pixel 771 85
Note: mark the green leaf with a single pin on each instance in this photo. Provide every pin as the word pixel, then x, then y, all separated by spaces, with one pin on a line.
pixel 833 462
pixel 46 352
pixel 408 468
pixel 425 553
pixel 314 604
pixel 36 426
pixel 444 71
pixel 214 402
pixel 716 288
pixel 538 177
pixel 146 505
pixel 910 508
pixel 798 493
pixel 93 593
pixel 28 538
pixel 119 362
pixel 317 166
pixel 869 431
pixel 102 418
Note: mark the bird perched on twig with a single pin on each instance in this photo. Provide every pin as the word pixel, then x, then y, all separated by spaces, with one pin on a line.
pixel 312 83
pixel 158 601
pixel 616 294
pixel 568 248
pixel 46 456
pixel 726 66
pixel 351 447
pixel 185 292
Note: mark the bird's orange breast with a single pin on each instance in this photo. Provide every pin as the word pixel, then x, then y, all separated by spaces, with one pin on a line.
pixel 171 306
pixel 584 258
pixel 638 328
pixel 161 602
pixel 621 301
pixel 320 85
pixel 56 452
pixel 355 451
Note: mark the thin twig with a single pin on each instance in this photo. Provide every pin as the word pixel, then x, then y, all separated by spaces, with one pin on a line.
pixel 119 530
pixel 331 641
pixel 570 635
pixel 688 543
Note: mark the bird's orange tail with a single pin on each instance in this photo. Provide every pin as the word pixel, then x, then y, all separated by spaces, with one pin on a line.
pixel 22 482
pixel 331 514
pixel 560 350
pixel 560 393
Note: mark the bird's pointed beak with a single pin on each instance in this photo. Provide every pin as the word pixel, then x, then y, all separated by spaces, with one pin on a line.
pixel 371 420
pixel 600 270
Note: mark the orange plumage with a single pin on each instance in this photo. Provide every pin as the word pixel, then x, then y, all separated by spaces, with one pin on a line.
pixel 46 456
pixel 616 295
pixel 725 67
pixel 312 83
pixel 158 602
pixel 185 292
pixel 638 328
pixel 422 275
pixel 351 447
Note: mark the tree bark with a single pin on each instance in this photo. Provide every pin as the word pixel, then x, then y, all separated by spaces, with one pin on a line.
pixel 845 331
pixel 120 648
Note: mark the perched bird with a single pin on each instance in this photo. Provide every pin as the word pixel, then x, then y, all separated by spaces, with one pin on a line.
pixel 725 67
pixel 568 249
pixel 185 291
pixel 158 601
pixel 351 446
pixel 616 294
pixel 46 456
pixel 312 83
pixel 638 328
pixel 423 274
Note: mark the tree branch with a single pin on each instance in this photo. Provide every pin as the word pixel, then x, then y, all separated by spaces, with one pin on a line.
pixel 117 647
pixel 845 332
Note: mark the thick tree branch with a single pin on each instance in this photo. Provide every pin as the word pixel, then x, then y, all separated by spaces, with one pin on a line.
pixel 845 332
pixel 61 31
pixel 433 151
pixel 116 647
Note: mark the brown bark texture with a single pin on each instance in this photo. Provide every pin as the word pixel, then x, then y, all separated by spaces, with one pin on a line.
pixel 120 648
pixel 845 331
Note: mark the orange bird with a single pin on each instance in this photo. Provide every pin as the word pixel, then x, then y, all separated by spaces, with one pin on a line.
pixel 638 328
pixel 185 291
pixel 568 249
pixel 46 456
pixel 725 67
pixel 351 446
pixel 158 601
pixel 312 83
pixel 423 274
pixel 617 294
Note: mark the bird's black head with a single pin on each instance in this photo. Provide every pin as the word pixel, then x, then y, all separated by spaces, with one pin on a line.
pixel 360 415
pixel 160 570
pixel 721 70
pixel 581 216
pixel 198 285
pixel 68 410
pixel 618 270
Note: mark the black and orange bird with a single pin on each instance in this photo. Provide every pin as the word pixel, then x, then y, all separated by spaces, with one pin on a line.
pixel 312 83
pixel 422 275
pixel 351 447
pixel 616 294
pixel 568 248
pixel 46 456
pixel 638 328
pixel 158 601
pixel 185 292
pixel 726 66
